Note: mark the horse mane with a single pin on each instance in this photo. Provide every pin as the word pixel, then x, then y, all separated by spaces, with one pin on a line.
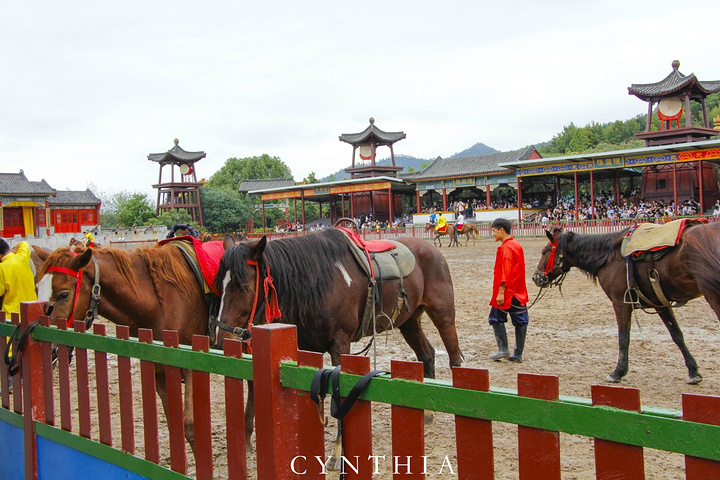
pixel 303 270
pixel 165 265
pixel 591 252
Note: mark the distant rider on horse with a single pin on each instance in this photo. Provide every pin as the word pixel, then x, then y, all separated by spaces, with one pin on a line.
pixel 441 226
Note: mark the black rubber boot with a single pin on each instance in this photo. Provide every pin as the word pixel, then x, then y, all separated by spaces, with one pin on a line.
pixel 520 332
pixel 501 339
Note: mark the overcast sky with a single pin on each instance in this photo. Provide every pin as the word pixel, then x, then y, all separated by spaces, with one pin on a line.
pixel 89 88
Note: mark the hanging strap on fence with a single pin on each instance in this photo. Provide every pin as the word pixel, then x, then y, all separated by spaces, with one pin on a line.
pixel 12 360
pixel 338 408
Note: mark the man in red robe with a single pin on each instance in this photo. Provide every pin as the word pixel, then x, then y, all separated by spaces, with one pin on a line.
pixel 510 294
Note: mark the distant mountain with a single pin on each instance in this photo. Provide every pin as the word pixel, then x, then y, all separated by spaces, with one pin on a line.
pixel 477 149
pixel 406 161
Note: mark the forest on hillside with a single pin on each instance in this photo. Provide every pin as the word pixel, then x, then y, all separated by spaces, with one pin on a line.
pixel 617 135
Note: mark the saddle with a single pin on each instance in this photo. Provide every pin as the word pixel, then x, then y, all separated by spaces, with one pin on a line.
pixel 203 258
pixel 442 229
pixel 380 260
pixel 648 242
pixel 459 227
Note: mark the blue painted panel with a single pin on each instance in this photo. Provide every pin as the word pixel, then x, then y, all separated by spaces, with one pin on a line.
pixel 58 461
pixel 13 450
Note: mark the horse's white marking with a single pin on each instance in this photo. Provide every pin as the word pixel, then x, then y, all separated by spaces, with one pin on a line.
pixel 225 283
pixel 344 272
pixel 44 287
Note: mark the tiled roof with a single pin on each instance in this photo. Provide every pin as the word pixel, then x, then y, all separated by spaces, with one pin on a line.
pixel 18 184
pixel 176 153
pixel 74 197
pixel 381 137
pixel 467 166
pixel 262 184
pixel 674 82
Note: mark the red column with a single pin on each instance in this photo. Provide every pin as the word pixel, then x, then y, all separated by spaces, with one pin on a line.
pixel 488 197
pixel 592 194
pixel 263 215
pixel 519 199
pixel 577 201
pixel 276 416
pixel 417 201
pixel 444 200
pixel 701 186
pixel 675 199
pixel 390 207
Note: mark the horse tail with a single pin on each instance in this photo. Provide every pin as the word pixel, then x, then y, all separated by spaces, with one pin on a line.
pixel 705 262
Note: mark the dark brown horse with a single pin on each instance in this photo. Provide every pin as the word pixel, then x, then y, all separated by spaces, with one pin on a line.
pixel 146 288
pixel 322 290
pixel 686 271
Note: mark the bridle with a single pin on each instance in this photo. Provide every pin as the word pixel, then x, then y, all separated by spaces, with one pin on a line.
pixel 92 312
pixel 549 267
pixel 272 310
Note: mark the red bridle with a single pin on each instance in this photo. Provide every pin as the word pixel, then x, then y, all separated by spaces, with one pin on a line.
pixel 73 273
pixel 551 259
pixel 272 309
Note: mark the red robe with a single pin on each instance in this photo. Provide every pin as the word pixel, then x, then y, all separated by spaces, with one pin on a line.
pixel 510 269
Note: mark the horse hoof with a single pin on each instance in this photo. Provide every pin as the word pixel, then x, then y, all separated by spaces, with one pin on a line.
pixel 334 464
pixel 694 380
pixel 612 379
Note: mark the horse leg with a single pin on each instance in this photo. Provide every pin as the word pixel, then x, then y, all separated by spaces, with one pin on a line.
pixel 623 314
pixel 249 416
pixel 442 314
pixel 413 334
pixel 668 318
pixel 161 389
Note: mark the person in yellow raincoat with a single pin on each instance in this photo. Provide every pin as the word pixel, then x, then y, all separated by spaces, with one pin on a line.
pixel 441 226
pixel 17 283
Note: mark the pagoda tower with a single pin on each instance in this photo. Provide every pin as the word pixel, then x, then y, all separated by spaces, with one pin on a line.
pixel 365 146
pixel 181 190
pixel 673 95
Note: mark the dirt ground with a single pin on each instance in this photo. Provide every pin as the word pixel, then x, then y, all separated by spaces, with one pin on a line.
pixel 573 336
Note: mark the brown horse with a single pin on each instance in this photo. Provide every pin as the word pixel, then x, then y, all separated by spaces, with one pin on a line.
pixel 686 271
pixel 470 230
pixel 322 290
pixel 151 287
pixel 449 231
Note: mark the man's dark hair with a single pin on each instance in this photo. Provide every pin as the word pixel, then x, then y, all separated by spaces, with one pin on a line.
pixel 4 247
pixel 503 223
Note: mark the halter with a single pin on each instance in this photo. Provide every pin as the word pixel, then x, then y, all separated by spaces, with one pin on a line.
pixel 272 310
pixel 551 259
pixel 92 312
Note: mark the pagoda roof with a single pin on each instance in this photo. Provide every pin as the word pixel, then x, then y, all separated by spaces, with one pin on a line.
pixel 265 183
pixel 472 165
pixel 74 197
pixel 674 83
pixel 18 184
pixel 176 154
pixel 372 132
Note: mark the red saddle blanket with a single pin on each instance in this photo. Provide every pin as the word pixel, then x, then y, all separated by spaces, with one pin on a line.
pixel 373 246
pixel 208 256
pixel 459 227
pixel 442 229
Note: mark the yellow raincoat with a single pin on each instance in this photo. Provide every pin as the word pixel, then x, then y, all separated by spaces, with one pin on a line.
pixel 17 283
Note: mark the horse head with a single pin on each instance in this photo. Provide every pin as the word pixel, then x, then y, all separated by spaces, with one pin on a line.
pixel 554 263
pixel 238 284
pixel 70 289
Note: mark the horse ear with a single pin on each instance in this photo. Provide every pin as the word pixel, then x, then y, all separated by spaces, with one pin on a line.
pixel 81 260
pixel 257 249
pixel 41 252
pixel 228 241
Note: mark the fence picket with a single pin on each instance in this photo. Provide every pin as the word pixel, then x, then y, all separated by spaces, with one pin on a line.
pixel 63 367
pixel 150 417
pixel 538 450
pixel 357 424
pixel 102 389
pixel 125 387
pixel 175 408
pixel 17 391
pixel 201 414
pixel 474 436
pixel 48 379
pixel 235 417
pixel 612 459
pixel 313 431
pixel 702 409
pixel 408 427
pixel 83 385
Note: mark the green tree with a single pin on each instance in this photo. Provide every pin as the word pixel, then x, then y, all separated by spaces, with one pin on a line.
pixel 237 170
pixel 312 178
pixel 133 209
pixel 172 217
pixel 224 211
